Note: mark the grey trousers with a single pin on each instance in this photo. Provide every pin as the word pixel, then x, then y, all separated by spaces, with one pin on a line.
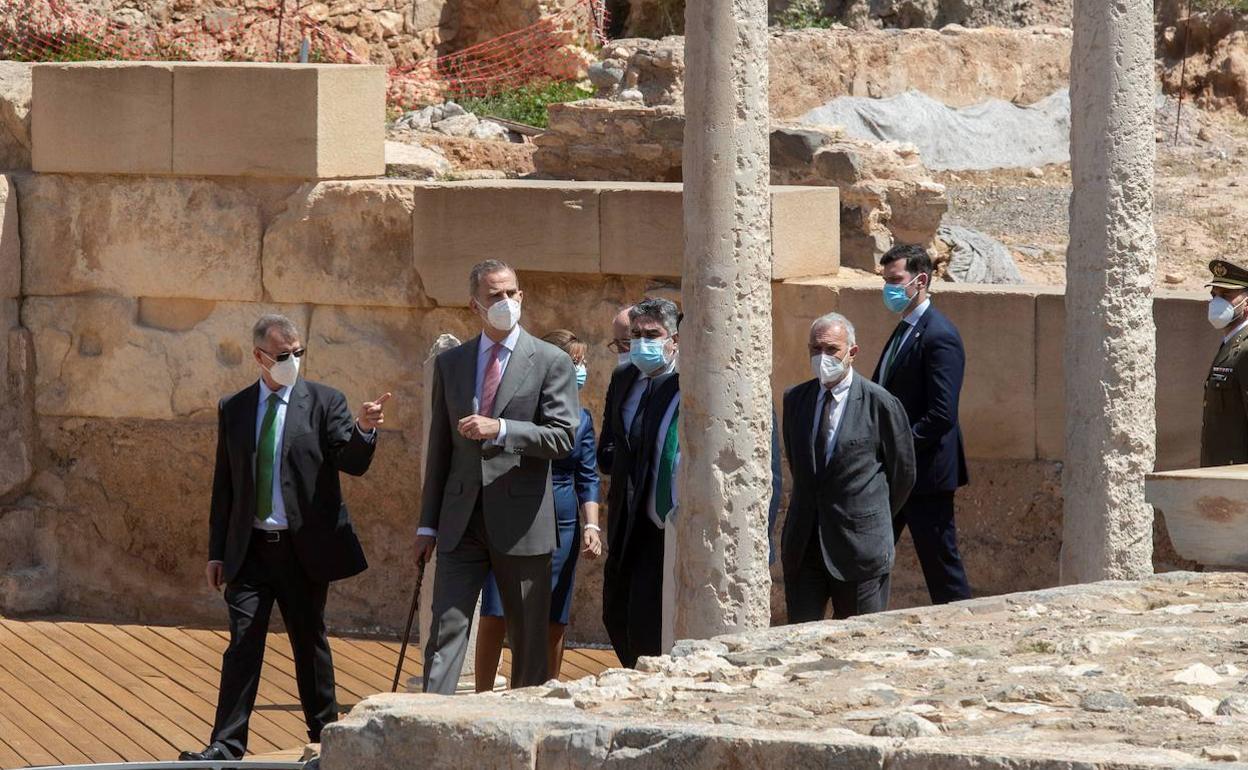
pixel 523 585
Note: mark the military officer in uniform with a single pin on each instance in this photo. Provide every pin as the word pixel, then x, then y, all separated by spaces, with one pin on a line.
pixel 1224 432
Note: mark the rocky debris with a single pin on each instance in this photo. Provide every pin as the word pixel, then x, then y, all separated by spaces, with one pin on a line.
pixel 14 116
pixel 450 119
pixel 1222 753
pixel 1215 45
pixel 412 161
pixel 969 256
pixel 998 682
pixel 510 159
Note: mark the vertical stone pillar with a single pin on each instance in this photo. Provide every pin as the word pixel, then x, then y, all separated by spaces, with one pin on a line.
pixel 1110 265
pixel 722 579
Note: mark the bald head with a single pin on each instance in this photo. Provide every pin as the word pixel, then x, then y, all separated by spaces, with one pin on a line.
pixel 620 324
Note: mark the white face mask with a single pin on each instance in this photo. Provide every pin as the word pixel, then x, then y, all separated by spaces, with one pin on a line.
pixel 829 370
pixel 284 373
pixel 504 314
pixel 1221 312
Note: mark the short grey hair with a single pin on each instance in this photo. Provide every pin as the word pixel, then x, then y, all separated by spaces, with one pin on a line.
pixel 657 309
pixel 834 319
pixel 482 269
pixel 270 321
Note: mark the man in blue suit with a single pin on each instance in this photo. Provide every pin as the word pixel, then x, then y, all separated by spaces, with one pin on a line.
pixel 922 365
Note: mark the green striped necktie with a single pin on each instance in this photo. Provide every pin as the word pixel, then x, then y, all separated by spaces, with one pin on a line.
pixel 664 499
pixel 264 460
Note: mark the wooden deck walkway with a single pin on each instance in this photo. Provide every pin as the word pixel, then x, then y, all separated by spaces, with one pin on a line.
pixel 79 692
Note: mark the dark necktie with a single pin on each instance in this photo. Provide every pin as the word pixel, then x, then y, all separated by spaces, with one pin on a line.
pixel 821 431
pixel 894 345
pixel 264 460
pixel 634 430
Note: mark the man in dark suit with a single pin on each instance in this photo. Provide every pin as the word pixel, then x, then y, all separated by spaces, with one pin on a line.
pixel 852 461
pixel 638 421
pixel 922 365
pixel 504 404
pixel 279 530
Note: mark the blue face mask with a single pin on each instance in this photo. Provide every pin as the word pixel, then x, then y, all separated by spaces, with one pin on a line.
pixel 895 297
pixel 582 374
pixel 648 355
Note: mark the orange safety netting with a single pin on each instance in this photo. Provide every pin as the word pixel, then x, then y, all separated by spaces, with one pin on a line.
pixel 61 30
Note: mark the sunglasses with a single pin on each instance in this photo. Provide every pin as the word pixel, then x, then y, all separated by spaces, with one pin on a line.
pixel 280 357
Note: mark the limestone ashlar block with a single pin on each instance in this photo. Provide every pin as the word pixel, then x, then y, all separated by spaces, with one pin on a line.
pixel 805 232
pixel 308 121
pixel 157 359
pixel 533 225
pixel 997 324
pixel 137 237
pixel 102 118
pixel 1206 513
pixel 345 243
pixel 10 242
pixel 1050 376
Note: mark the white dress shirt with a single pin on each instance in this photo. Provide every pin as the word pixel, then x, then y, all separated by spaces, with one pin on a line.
pixel 633 400
pixel 484 346
pixel 911 320
pixel 664 425
pixel 277 519
pixel 838 393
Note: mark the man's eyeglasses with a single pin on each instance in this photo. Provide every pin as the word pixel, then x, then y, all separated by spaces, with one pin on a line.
pixel 620 345
pixel 280 357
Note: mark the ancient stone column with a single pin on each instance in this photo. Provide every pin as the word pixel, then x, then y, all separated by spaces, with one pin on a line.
pixel 722 579
pixel 1110 338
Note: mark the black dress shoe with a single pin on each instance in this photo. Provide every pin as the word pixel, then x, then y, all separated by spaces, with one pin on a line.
pixel 213 753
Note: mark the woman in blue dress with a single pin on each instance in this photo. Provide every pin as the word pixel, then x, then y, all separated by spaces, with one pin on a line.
pixel 575 483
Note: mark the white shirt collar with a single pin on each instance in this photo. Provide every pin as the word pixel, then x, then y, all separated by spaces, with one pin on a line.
pixel 839 390
pixel 283 392
pixel 509 341
pixel 913 316
pixel 1239 327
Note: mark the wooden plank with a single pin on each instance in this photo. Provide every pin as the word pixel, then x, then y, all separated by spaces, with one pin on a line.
pixel 384 671
pixel 115 745
pixel 151 746
pixel 21 742
pixel 412 663
pixel 345 672
pixel 208 647
pixel 9 758
pixel 43 722
pixel 166 717
pixel 164 729
pixel 202 696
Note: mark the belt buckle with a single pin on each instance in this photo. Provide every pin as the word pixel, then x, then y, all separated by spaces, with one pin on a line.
pixel 272 536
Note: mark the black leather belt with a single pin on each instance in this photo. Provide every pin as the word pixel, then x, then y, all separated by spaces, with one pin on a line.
pixel 270 535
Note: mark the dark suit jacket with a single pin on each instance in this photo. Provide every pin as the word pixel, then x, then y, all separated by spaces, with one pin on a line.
pixel 630 467
pixel 319 440
pixel 927 378
pixel 537 397
pixel 855 498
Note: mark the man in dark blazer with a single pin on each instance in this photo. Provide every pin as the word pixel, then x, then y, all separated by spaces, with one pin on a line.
pixel 922 365
pixel 852 461
pixel 279 530
pixel 504 404
pixel 641 405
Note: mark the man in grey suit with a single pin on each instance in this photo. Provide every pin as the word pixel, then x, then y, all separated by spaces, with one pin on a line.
pixel 504 404
pixel 851 454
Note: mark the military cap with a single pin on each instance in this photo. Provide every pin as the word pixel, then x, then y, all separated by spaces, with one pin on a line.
pixel 1227 275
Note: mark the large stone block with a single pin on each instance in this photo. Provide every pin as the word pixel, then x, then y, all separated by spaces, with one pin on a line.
pixel 102 118
pixel 158 359
pixel 279 120
pixel 10 242
pixel 1205 513
pixel 14 116
pixel 805 232
pixel 345 243
pixel 536 226
pixel 17 432
pixel 1050 375
pixel 191 238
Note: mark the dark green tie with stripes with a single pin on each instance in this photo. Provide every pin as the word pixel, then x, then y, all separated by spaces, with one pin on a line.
pixel 264 460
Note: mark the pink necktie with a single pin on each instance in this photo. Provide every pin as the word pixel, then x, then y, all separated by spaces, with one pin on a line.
pixel 493 374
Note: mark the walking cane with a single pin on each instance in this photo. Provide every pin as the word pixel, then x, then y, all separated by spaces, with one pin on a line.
pixel 407 632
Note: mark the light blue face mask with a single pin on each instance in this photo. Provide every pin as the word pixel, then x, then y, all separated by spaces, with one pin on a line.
pixel 648 355
pixel 582 374
pixel 895 297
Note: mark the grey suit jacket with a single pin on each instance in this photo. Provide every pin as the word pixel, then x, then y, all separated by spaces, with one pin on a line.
pixel 855 497
pixel 538 399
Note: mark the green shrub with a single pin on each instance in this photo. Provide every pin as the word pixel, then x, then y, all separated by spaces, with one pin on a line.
pixel 802 14
pixel 526 104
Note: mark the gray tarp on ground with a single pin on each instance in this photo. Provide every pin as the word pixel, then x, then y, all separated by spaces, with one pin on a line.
pixel 994 134
pixel 977 258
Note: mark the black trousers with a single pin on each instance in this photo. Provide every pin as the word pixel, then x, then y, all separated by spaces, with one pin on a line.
pixel 272 573
pixel 632 596
pixel 808 591
pixel 930 518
